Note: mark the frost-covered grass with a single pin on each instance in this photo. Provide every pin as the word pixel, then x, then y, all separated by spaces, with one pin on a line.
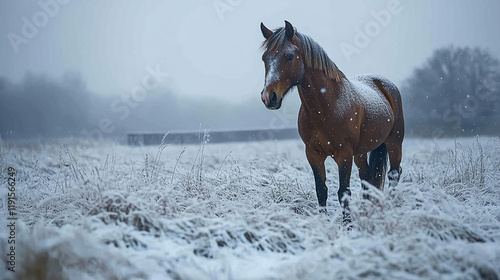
pixel 248 211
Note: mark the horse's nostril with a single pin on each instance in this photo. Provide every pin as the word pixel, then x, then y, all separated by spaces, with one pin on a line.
pixel 274 97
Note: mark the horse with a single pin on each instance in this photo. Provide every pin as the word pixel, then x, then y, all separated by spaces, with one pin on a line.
pixel 358 118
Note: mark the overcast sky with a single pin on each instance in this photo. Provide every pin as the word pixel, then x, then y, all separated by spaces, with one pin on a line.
pixel 211 48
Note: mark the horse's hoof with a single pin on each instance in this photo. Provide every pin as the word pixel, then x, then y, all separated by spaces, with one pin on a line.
pixel 394 176
pixel 347 221
pixel 349 227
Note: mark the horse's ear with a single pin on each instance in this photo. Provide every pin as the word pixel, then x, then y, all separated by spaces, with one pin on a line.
pixel 265 31
pixel 289 30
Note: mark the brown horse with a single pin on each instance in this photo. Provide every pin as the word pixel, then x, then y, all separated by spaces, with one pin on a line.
pixel 341 117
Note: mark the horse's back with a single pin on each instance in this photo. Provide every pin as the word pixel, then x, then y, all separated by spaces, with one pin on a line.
pixel 383 87
pixel 382 98
pixel 374 94
pixel 380 103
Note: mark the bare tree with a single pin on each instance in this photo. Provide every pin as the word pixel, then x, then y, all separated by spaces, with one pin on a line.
pixel 455 92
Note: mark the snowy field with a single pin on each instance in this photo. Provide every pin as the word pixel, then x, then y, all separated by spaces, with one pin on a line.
pixel 247 211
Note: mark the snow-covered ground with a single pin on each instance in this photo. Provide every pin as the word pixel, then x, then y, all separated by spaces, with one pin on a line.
pixel 247 211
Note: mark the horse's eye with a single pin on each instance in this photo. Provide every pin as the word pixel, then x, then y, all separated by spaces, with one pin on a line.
pixel 290 57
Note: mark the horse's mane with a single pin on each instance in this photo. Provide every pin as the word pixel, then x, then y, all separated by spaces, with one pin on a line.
pixel 314 55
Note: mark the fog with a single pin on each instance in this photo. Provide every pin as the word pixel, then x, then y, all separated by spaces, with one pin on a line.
pixel 44 108
pixel 71 67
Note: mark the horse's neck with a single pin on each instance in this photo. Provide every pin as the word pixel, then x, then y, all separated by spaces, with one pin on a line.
pixel 318 92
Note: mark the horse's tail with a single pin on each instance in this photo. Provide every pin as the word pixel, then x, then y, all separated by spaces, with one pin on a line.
pixel 377 166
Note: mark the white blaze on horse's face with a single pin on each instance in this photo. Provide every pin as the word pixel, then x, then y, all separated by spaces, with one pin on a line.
pixel 272 76
pixel 284 70
pixel 272 72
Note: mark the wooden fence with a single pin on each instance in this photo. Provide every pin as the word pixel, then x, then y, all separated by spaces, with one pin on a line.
pixel 180 138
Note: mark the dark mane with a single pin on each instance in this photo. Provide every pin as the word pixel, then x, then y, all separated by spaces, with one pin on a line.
pixel 314 55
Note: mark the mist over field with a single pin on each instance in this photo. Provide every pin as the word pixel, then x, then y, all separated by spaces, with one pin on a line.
pixel 42 108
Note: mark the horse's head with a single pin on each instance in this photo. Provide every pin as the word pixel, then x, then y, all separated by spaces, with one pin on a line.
pixel 283 63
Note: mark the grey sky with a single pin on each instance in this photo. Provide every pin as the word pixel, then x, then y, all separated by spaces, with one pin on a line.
pixel 212 52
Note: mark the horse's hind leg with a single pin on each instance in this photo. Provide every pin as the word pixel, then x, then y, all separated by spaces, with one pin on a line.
pixel 361 162
pixel 394 148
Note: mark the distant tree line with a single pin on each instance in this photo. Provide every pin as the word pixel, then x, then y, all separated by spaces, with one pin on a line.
pixel 456 92
pixel 40 107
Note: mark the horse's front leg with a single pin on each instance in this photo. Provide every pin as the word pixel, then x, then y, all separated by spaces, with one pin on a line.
pixel 344 162
pixel 317 162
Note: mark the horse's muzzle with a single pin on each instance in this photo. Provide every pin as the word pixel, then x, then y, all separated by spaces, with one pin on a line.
pixel 271 100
